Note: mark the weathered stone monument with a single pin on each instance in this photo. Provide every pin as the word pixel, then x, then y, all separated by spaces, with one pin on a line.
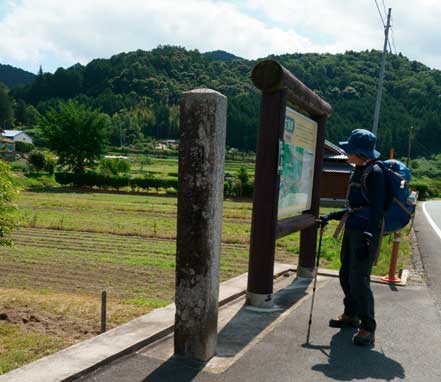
pixel 200 202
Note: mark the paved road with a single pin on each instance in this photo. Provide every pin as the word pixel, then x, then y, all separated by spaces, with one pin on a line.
pixel 428 232
pixel 408 347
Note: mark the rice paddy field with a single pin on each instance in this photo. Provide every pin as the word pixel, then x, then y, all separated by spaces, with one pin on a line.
pixel 169 166
pixel 72 245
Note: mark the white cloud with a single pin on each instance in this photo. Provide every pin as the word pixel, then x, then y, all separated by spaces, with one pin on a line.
pixel 81 30
pixel 355 25
pixel 57 32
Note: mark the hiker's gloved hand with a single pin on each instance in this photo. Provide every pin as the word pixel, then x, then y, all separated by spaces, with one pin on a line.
pixel 324 220
pixel 331 216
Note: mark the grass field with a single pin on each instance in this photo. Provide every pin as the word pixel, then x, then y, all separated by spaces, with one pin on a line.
pixel 169 166
pixel 71 246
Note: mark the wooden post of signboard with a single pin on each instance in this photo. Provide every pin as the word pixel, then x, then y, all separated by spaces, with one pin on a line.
pixel 266 183
pixel 280 88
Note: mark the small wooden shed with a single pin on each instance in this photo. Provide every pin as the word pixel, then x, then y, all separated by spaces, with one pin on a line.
pixel 335 174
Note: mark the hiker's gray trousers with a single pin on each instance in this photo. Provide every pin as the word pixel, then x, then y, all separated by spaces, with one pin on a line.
pixel 357 260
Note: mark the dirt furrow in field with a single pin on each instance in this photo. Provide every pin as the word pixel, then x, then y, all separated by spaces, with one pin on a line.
pixel 139 213
pixel 70 242
pixel 121 281
pixel 83 234
pixel 45 234
pixel 105 250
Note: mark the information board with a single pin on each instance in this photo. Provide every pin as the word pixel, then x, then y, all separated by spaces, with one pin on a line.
pixel 296 165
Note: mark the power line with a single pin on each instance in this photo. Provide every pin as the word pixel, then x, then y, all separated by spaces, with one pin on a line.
pixel 379 12
pixel 381 78
pixel 390 47
pixel 394 51
pixel 384 7
pixel 393 41
pixel 382 20
pixel 393 37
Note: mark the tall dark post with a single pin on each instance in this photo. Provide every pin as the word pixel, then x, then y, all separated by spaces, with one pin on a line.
pixel 198 243
pixel 266 194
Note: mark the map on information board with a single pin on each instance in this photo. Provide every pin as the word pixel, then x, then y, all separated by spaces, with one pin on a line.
pixel 297 167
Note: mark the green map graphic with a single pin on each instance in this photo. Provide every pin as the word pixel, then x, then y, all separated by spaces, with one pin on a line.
pixel 290 179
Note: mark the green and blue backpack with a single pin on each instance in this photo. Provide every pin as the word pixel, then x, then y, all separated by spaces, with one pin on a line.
pixel 399 206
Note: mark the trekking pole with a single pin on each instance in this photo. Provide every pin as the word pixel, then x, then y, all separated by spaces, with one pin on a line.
pixel 322 229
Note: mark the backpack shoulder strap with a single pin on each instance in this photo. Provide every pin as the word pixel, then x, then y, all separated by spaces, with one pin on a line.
pixel 364 177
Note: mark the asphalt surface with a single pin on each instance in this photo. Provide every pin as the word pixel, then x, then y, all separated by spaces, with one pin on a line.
pixel 429 243
pixel 408 346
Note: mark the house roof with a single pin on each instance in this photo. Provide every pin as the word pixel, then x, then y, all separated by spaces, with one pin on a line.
pixel 12 133
pixel 333 148
pixel 334 153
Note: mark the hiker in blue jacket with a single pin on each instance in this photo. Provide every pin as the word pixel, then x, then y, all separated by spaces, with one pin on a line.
pixel 363 220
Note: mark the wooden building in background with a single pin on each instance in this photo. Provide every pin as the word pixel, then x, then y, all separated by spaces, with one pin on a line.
pixel 335 175
pixel 7 149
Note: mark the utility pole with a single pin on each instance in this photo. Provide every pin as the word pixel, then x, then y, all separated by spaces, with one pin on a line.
pixel 409 146
pixel 380 81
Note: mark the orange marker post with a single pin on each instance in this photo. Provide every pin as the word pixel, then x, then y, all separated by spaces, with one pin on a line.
pixel 391 277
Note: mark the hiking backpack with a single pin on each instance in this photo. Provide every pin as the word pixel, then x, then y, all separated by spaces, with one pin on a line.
pixel 399 206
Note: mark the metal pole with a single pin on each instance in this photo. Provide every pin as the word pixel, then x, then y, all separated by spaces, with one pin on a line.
pixel 103 311
pixel 380 81
pixel 322 229
pixel 409 146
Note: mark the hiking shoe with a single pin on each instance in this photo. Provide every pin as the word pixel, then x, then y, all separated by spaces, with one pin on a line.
pixel 344 321
pixel 364 338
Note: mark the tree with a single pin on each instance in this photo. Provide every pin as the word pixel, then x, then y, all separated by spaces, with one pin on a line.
pixel 37 160
pixel 6 110
pixel 141 91
pixel 115 166
pixel 8 215
pixel 77 134
pixel 26 115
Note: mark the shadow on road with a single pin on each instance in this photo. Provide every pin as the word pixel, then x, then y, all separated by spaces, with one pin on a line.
pixel 347 362
pixel 239 332
pixel 176 369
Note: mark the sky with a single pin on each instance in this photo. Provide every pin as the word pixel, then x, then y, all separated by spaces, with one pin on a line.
pixel 55 33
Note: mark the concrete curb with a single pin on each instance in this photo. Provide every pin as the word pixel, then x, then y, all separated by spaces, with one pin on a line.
pixel 375 279
pixel 79 359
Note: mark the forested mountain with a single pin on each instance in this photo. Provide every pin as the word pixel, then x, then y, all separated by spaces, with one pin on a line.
pixel 221 55
pixel 12 77
pixel 141 92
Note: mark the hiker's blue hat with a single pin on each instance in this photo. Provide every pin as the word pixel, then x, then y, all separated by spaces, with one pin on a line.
pixel 361 142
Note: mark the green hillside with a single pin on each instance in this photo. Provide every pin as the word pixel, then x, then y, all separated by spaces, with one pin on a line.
pixel 12 77
pixel 141 92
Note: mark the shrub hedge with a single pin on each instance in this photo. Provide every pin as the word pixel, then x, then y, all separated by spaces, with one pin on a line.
pixel 93 179
pixel 170 184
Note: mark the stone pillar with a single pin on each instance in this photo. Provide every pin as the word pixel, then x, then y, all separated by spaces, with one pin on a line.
pixel 200 203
